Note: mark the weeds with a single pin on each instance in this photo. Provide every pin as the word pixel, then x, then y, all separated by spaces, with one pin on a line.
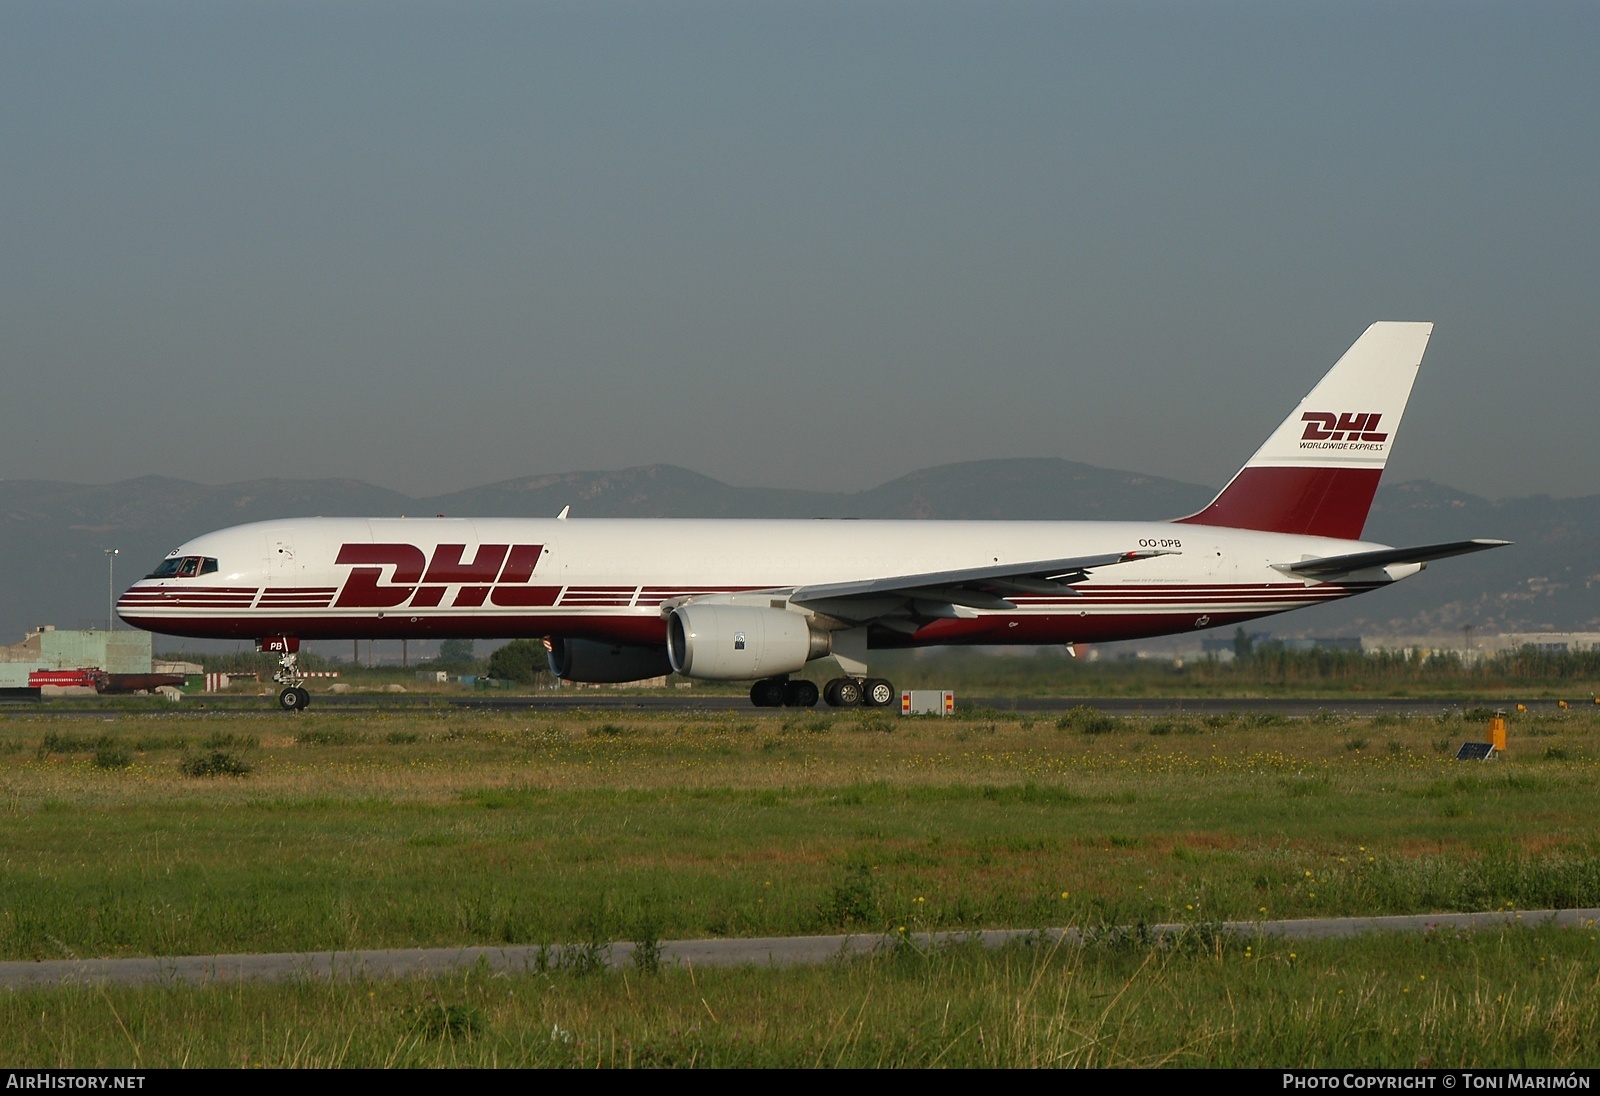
pixel 646 952
pixel 589 957
pixel 107 756
pixel 434 1019
pixel 855 900
pixel 1140 1000
pixel 329 737
pixel 55 742
pixel 222 740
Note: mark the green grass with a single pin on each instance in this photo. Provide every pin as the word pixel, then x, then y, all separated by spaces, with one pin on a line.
pixel 1511 997
pixel 396 829
pixel 381 830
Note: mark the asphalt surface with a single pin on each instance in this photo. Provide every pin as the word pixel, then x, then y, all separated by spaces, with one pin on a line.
pixel 1294 707
pixel 1290 707
pixel 772 951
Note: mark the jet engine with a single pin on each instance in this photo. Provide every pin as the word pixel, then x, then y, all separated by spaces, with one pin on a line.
pixel 732 642
pixel 605 663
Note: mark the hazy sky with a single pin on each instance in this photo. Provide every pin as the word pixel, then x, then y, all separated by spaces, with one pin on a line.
pixel 809 244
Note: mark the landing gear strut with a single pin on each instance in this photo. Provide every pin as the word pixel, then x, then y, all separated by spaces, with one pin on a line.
pixel 865 692
pixel 293 697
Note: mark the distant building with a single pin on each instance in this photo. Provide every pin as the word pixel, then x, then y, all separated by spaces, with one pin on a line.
pixel 1475 644
pixel 1323 643
pixel 50 648
pixel 1223 647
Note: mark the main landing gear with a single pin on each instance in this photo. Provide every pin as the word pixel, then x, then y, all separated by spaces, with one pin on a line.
pixel 780 692
pixel 841 692
pixel 293 697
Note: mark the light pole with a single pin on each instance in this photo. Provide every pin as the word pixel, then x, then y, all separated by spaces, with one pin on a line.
pixel 111 587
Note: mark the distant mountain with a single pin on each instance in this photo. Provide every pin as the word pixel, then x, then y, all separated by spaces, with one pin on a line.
pixel 53 536
pixel 1549 580
pixel 1022 489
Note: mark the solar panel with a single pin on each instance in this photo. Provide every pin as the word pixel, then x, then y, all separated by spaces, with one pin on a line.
pixel 1475 751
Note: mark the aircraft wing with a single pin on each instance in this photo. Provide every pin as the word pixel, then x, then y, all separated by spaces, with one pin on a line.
pixel 1332 566
pixel 933 593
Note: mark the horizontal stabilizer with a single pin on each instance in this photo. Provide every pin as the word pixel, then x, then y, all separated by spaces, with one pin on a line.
pixel 1385 557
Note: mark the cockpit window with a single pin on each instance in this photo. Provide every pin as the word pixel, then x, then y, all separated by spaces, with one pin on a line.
pixel 184 567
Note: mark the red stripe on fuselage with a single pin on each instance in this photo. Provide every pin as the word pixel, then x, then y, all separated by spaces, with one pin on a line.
pixel 647 628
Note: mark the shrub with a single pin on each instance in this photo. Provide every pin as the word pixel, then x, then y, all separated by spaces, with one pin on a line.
pixel 215 763
pixel 521 660
pixel 57 742
pixel 1086 720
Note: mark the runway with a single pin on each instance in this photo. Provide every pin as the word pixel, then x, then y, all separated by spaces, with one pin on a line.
pixel 772 951
pixel 1288 707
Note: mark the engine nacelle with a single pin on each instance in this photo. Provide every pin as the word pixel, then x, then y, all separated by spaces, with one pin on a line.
pixel 731 642
pixel 605 663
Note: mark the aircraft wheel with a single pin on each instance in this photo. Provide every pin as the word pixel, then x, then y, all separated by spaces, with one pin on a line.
pixel 880 693
pixel 846 692
pixel 293 699
pixel 768 693
pixel 799 694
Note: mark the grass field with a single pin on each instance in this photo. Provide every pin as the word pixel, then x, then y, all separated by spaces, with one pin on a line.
pixel 441 828
pixel 1507 998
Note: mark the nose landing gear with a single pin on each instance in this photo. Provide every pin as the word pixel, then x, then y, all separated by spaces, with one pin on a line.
pixel 293 697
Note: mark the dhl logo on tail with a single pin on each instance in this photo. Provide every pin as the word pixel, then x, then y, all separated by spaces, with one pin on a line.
pixel 1326 426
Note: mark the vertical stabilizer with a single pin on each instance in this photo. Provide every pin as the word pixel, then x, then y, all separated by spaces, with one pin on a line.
pixel 1317 473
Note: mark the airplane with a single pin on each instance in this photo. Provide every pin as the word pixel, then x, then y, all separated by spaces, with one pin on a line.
pixel 619 600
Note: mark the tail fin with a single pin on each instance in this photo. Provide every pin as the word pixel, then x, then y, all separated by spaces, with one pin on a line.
pixel 1317 473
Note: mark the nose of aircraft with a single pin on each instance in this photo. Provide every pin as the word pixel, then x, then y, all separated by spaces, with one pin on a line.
pixel 142 595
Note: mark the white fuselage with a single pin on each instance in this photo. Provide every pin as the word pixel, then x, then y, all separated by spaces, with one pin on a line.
pixel 604 579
